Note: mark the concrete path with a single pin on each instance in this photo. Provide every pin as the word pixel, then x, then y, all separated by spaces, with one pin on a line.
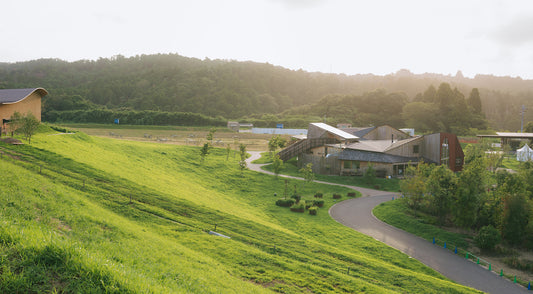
pixel 357 214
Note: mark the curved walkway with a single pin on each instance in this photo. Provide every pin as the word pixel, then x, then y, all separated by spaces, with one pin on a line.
pixel 357 214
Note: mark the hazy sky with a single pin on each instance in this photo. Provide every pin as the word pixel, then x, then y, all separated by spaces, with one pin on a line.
pixel 341 36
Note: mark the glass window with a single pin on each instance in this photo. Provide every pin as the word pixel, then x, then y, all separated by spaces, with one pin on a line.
pixel 416 149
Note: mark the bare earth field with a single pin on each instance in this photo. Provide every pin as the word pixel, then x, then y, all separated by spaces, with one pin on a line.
pixel 194 136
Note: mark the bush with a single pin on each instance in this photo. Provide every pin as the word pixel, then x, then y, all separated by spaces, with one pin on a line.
pixel 296 198
pixel 487 238
pixel 285 202
pixel 309 203
pixel 313 210
pixel 351 194
pixel 319 203
pixel 298 207
pixel 319 195
pixel 336 196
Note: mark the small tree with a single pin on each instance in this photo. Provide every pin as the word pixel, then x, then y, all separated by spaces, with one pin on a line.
pixel 242 152
pixel 27 125
pixel 210 135
pixel 370 175
pixel 487 238
pixel 205 151
pixel 228 151
pixel 307 170
pixel 277 164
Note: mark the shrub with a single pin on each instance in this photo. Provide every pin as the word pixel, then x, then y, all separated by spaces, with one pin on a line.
pixel 313 210
pixel 319 195
pixel 297 198
pixel 309 203
pixel 487 238
pixel 351 194
pixel 336 196
pixel 285 202
pixel 298 207
pixel 319 203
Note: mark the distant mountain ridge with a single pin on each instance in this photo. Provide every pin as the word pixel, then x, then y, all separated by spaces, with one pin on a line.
pixel 232 89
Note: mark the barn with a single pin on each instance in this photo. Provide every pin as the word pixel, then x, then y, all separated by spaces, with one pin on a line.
pixel 22 101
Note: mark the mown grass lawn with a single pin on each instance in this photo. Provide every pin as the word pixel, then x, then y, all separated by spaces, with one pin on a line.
pixel 290 168
pixel 88 214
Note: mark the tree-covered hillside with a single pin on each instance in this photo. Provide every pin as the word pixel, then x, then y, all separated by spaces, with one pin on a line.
pixel 232 90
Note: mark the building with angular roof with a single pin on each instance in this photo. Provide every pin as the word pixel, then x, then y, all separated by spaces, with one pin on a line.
pixel 20 100
pixel 389 151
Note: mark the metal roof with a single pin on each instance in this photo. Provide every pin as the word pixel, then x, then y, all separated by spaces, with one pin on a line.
pixel 359 155
pixel 337 132
pixel 9 96
pixel 379 145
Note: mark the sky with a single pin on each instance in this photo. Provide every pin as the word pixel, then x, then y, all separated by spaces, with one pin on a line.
pixel 337 36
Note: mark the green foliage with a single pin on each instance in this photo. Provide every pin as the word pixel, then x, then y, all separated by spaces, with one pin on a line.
pixel 370 175
pixel 515 218
pixel 394 213
pixel 204 151
pixel 277 164
pixel 298 207
pixel 285 202
pixel 441 187
pixel 79 207
pixel 445 110
pixel 132 117
pixel 308 173
pixel 243 155
pixel 487 238
pixel 27 124
pixel 313 210
pixel 318 203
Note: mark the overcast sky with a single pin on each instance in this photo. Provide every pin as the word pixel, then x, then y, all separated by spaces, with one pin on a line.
pixel 341 36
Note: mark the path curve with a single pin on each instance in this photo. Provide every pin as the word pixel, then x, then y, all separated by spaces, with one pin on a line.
pixel 357 214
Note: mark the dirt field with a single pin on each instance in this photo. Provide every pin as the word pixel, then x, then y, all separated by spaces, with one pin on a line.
pixel 194 136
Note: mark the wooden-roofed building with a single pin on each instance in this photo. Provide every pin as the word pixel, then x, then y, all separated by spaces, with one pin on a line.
pixel 20 100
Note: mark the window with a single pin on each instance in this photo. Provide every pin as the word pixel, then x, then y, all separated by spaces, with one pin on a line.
pixel 347 164
pixel 416 149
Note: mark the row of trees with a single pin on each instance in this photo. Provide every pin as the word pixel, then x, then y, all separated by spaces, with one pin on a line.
pixel 435 110
pixel 231 89
pixel 476 197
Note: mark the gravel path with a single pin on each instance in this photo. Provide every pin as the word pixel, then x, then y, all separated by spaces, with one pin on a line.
pixel 357 214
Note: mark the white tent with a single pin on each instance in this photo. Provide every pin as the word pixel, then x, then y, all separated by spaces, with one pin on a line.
pixel 524 154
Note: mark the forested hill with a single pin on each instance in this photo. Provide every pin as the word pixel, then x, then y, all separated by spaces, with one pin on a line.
pixel 231 89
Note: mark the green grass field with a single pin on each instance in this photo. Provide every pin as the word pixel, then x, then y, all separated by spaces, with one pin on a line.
pixel 93 215
pixel 290 168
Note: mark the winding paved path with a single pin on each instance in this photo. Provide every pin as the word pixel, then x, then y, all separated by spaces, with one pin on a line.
pixel 357 214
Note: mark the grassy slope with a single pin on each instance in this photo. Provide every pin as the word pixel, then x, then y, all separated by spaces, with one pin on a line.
pixel 71 227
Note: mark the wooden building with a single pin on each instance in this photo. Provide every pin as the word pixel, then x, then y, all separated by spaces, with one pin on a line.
pixel 351 151
pixel 19 100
